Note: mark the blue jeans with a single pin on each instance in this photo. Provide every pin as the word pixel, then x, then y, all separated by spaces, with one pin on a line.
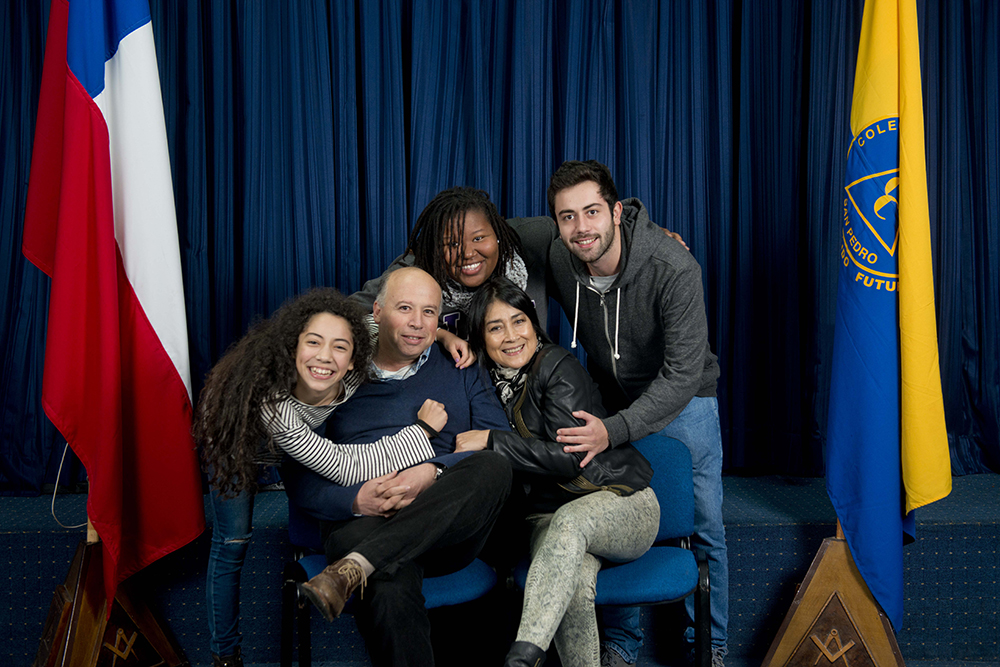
pixel 231 531
pixel 697 427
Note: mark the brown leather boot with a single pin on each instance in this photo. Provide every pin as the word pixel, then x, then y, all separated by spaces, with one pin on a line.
pixel 330 590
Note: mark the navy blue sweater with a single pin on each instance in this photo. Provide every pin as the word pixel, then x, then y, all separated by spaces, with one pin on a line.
pixel 384 407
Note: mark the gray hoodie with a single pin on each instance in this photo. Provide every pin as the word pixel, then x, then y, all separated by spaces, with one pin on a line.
pixel 647 336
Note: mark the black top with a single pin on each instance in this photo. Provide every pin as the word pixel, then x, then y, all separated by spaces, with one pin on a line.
pixel 555 386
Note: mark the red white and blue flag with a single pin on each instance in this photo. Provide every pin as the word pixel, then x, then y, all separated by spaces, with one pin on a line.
pixel 100 221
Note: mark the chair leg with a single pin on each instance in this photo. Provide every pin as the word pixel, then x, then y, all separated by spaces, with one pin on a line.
pixel 305 638
pixel 703 616
pixel 288 613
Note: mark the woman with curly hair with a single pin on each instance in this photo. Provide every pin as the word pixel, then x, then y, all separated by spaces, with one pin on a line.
pixel 262 401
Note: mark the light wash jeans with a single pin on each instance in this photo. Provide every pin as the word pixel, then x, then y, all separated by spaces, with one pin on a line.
pixel 697 427
pixel 232 527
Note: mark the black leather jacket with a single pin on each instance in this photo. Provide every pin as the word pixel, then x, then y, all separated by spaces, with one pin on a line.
pixel 555 386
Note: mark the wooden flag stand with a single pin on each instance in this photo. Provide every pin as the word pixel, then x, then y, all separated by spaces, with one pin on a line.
pixel 79 633
pixel 834 620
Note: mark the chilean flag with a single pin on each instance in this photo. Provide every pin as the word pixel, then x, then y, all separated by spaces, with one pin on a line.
pixel 100 221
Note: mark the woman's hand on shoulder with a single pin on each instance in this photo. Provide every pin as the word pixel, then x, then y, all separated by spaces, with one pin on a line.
pixel 458 348
pixel 471 441
pixel 433 414
pixel 677 237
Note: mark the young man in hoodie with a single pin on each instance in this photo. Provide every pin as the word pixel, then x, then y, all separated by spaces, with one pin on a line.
pixel 635 299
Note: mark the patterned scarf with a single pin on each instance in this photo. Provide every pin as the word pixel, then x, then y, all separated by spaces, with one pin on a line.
pixel 510 381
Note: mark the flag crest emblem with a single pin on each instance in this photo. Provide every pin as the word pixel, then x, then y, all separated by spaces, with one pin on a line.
pixel 870 235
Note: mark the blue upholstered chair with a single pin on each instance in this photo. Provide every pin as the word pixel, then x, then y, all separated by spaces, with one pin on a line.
pixel 665 573
pixel 470 583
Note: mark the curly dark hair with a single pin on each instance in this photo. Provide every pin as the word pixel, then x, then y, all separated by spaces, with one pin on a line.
pixel 426 241
pixel 257 371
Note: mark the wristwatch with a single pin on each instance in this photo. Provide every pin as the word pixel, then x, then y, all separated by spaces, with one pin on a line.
pixel 440 471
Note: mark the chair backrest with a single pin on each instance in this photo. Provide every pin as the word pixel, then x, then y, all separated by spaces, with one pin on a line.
pixel 672 483
pixel 303 530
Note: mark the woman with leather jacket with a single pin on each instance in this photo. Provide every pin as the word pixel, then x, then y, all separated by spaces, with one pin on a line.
pixel 578 515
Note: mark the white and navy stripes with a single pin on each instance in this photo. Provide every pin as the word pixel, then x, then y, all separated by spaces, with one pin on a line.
pixel 291 425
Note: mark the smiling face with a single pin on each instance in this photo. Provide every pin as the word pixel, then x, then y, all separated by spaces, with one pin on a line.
pixel 322 358
pixel 589 228
pixel 509 336
pixel 471 256
pixel 407 321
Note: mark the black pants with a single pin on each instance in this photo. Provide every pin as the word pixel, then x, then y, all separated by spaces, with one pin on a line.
pixel 442 531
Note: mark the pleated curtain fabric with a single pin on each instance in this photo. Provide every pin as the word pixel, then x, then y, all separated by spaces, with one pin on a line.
pixel 306 137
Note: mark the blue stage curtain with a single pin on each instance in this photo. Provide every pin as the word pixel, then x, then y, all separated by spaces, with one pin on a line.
pixel 306 137
pixel 30 448
pixel 960 54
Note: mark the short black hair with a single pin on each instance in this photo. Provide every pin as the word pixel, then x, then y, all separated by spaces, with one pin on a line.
pixel 574 172
pixel 500 289
pixel 426 241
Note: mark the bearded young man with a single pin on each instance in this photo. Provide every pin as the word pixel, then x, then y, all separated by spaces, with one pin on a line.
pixel 635 298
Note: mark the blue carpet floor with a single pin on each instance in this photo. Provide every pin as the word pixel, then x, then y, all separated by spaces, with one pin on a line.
pixel 774 527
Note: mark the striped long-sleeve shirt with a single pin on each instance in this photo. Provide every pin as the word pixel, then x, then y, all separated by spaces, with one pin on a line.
pixel 291 424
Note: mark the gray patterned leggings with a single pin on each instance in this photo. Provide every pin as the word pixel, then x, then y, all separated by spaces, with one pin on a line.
pixel 565 546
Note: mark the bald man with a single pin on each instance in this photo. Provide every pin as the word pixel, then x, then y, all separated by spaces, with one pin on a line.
pixel 432 518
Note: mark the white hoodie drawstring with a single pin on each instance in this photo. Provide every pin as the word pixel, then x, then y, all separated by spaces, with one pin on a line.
pixel 618 320
pixel 618 303
pixel 576 312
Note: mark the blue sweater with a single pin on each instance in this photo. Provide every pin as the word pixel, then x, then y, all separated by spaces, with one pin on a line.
pixel 384 407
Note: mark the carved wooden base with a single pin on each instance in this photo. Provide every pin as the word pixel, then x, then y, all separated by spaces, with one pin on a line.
pixel 834 620
pixel 78 631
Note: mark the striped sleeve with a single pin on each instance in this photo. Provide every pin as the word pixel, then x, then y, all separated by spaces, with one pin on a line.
pixel 344 464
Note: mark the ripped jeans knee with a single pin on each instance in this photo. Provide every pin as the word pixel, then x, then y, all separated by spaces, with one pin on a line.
pixel 232 530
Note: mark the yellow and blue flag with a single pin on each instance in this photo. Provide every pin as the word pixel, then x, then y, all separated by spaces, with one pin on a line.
pixel 887 446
